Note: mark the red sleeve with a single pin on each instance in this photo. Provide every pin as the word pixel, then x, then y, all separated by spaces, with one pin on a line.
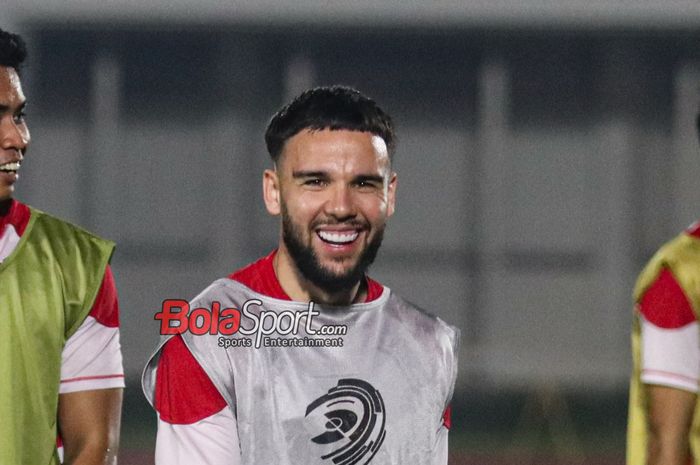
pixel 184 392
pixel 665 305
pixel 105 309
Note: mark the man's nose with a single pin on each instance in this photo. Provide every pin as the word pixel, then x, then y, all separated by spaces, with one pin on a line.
pixel 12 136
pixel 341 205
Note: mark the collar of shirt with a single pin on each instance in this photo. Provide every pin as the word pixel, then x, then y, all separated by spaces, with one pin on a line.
pixel 260 276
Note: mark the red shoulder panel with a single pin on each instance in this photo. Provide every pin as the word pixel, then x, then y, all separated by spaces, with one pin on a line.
pixel 184 392
pixel 664 303
pixel 105 309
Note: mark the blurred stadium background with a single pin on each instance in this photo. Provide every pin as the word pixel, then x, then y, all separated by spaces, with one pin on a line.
pixel 546 149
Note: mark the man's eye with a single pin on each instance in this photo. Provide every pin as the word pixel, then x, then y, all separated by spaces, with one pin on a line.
pixel 366 185
pixel 314 182
pixel 20 117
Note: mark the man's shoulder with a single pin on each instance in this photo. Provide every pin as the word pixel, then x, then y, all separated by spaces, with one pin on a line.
pixel 681 256
pixel 420 320
pixel 682 248
pixel 70 245
pixel 694 230
pixel 53 222
pixel 225 291
pixel 408 308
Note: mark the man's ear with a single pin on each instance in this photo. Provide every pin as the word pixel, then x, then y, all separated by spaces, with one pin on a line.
pixel 271 191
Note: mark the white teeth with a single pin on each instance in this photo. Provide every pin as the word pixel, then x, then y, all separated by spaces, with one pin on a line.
pixel 14 166
pixel 338 238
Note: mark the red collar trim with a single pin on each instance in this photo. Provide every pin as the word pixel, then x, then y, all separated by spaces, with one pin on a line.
pixel 18 216
pixel 260 276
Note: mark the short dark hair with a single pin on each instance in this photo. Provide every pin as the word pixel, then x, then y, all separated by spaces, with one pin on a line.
pixel 13 51
pixel 334 107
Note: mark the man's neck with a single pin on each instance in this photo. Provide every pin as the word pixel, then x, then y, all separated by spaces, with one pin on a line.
pixel 5 207
pixel 300 289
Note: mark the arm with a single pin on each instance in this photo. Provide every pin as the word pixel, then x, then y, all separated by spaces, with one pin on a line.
pixel 670 370
pixel 89 426
pixel 195 425
pixel 92 378
pixel 211 441
pixel 670 417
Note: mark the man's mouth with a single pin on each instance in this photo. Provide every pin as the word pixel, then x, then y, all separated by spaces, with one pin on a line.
pixel 11 167
pixel 338 237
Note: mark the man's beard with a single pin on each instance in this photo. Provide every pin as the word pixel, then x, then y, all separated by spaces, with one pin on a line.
pixel 306 260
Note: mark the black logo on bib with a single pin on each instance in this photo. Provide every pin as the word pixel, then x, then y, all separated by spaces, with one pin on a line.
pixel 350 422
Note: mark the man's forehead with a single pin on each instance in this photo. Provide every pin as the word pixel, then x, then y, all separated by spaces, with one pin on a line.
pixel 14 76
pixel 334 145
pixel 10 86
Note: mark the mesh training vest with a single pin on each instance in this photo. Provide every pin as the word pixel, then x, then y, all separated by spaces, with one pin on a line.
pixel 378 398
pixel 682 257
pixel 47 287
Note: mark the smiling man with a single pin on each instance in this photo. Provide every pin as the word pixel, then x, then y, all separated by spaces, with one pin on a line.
pixel 370 377
pixel 60 360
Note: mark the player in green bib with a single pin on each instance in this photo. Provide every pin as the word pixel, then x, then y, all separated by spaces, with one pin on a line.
pixel 664 413
pixel 53 277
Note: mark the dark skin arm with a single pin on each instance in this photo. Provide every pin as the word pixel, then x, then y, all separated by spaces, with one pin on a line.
pixel 89 424
pixel 670 418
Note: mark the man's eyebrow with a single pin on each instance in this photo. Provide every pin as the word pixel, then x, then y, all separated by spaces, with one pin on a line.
pixel 369 177
pixel 309 174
